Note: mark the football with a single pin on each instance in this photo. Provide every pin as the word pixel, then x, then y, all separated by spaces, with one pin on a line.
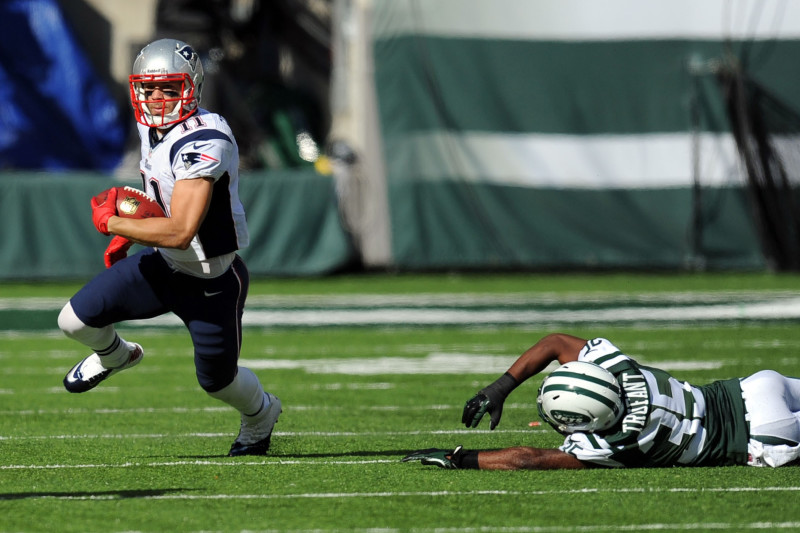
pixel 133 203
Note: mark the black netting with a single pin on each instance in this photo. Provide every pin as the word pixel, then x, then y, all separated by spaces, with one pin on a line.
pixel 767 134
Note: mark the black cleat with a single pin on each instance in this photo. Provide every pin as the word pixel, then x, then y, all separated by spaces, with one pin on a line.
pixel 254 437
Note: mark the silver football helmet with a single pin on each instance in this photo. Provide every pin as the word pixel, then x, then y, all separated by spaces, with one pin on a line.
pixel 166 61
pixel 580 396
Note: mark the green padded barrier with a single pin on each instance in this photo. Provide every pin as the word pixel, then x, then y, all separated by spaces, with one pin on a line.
pixel 446 225
pixel 47 231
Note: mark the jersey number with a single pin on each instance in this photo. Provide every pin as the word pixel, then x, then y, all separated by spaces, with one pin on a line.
pixel 154 191
pixel 192 123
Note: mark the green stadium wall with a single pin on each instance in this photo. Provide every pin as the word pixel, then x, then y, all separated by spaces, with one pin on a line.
pixel 47 232
pixel 522 134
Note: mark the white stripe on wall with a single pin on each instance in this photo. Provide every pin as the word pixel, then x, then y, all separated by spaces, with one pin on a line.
pixel 569 161
pixel 582 20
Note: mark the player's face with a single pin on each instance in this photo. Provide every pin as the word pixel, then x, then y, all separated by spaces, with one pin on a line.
pixel 162 96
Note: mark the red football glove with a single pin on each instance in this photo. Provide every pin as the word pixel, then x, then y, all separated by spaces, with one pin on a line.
pixel 117 250
pixel 102 211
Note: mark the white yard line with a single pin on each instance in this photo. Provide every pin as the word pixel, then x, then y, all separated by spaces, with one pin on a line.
pixel 194 410
pixel 426 494
pixel 716 526
pixel 327 434
pixel 461 299
pixel 496 309
pixel 452 363
pixel 222 462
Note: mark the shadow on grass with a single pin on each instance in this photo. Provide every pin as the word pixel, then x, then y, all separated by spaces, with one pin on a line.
pixel 103 495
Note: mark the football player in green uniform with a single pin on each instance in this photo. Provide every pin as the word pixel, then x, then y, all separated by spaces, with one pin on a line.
pixel 615 412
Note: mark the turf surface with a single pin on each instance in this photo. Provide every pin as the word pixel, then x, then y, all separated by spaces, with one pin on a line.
pixel 146 450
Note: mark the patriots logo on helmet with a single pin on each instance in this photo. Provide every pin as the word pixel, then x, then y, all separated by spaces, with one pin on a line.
pixel 189 55
pixel 190 158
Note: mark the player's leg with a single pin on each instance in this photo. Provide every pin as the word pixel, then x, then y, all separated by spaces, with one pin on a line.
pixel 119 293
pixel 259 412
pixel 793 397
pixel 773 406
pixel 212 310
pixel 112 353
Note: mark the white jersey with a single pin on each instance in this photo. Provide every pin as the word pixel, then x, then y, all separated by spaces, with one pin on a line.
pixel 201 146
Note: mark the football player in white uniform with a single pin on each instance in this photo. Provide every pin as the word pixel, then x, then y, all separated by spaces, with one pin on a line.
pixel 615 412
pixel 190 267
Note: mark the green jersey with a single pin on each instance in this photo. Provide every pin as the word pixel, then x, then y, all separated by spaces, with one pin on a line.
pixel 666 422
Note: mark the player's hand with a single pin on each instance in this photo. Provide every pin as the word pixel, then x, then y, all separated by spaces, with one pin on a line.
pixel 479 405
pixel 117 250
pixel 490 400
pixel 101 212
pixel 436 457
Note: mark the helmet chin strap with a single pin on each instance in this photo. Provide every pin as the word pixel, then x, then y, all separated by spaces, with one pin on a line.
pixel 162 126
pixel 159 120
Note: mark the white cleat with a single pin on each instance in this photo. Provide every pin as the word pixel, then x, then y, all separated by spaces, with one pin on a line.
pixel 88 374
pixel 254 437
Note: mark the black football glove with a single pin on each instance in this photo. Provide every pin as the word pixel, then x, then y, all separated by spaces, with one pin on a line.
pixel 489 400
pixel 437 457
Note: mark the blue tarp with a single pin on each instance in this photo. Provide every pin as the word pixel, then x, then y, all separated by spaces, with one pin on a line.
pixel 55 111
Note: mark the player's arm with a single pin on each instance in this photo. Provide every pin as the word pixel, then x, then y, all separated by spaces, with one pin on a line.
pixel 526 458
pixel 190 201
pixel 554 347
pixel 517 458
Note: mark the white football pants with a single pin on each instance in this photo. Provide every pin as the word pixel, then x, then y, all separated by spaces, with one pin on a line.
pixel 773 408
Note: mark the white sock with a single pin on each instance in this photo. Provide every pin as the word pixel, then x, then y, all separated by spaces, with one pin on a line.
pixel 117 354
pixel 245 394
pixel 113 350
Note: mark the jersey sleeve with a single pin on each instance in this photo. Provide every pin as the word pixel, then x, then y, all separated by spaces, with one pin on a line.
pixel 590 448
pixel 603 353
pixel 202 158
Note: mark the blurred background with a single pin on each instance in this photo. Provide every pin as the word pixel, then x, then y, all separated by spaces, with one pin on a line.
pixel 427 135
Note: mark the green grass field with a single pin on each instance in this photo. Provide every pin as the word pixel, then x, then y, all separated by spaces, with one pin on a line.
pixel 368 369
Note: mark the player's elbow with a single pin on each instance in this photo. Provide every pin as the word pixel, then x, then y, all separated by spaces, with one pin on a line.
pixel 182 236
pixel 184 242
pixel 180 240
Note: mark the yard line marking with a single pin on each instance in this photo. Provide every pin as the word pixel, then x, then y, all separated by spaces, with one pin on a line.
pixel 757 310
pixel 221 462
pixel 414 494
pixel 495 309
pixel 433 363
pixel 605 527
pixel 276 433
pixel 190 410
pixel 37 303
